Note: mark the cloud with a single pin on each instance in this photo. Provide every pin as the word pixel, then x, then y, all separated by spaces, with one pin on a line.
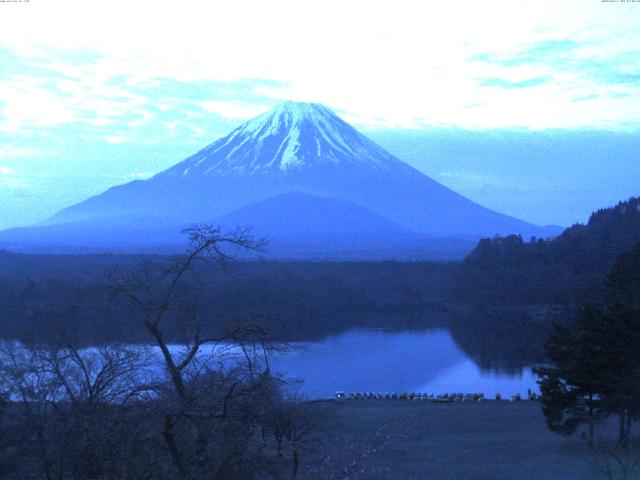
pixel 115 139
pixel 12 151
pixel 100 122
pixel 52 88
pixel 584 98
pixel 388 65
pixel 27 103
pixel 620 77
pixel 620 94
pixel 468 179
pixel 10 180
pixel 234 109
pixel 542 51
pixel 141 175
pixel 594 68
pixel 503 83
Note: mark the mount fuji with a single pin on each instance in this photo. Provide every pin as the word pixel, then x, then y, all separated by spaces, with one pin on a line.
pixel 298 174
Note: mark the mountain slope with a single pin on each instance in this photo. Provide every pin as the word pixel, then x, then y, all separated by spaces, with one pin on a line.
pixel 310 217
pixel 296 225
pixel 289 138
pixel 297 147
pixel 570 268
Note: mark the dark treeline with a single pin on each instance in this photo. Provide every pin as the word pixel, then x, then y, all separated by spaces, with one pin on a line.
pixel 595 361
pixel 507 292
pixel 208 408
pixel 515 291
pixel 294 301
pixel 176 407
pixel 307 299
pixel 570 269
pixel 505 338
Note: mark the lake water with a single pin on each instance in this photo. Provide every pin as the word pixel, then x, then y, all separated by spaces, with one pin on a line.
pixel 365 360
pixel 379 361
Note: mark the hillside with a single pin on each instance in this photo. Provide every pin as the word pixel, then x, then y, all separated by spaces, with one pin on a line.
pixel 568 269
pixel 295 148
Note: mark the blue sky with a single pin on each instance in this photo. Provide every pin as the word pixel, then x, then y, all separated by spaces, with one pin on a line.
pixel 531 108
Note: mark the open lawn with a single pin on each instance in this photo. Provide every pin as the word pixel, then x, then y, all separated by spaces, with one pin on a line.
pixel 490 440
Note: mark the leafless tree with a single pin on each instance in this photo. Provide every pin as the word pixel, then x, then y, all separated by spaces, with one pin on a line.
pixel 211 378
pixel 616 462
pixel 198 402
pixel 296 420
pixel 69 402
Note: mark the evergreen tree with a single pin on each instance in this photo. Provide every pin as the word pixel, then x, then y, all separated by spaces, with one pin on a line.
pixel 596 362
pixel 571 388
pixel 621 335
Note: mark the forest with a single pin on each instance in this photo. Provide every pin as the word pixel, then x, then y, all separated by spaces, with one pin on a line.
pixel 79 392
pixel 504 285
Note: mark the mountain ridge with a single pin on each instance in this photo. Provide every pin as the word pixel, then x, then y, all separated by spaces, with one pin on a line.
pixel 296 147
pixel 292 135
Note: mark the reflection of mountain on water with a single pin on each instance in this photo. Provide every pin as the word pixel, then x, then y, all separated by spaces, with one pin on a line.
pixel 365 360
pixel 468 377
pixel 372 361
pixel 504 340
pixel 500 340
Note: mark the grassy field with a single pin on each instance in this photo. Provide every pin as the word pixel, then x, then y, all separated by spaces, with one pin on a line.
pixel 402 439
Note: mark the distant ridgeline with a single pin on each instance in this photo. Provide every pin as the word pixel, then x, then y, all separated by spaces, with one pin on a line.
pixel 569 269
pixel 498 303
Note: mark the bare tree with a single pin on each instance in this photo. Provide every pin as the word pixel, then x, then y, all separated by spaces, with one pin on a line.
pixel 295 420
pixel 198 402
pixel 209 376
pixel 616 462
pixel 35 394
pixel 69 401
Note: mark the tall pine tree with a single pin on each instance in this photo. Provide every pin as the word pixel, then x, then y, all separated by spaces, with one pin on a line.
pixel 596 361
pixel 571 388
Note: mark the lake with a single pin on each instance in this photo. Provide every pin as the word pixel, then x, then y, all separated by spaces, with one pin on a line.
pixel 377 360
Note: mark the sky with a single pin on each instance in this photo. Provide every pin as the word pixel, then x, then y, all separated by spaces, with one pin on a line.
pixel 531 108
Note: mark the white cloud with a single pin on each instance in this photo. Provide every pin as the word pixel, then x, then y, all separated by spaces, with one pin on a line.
pixel 115 139
pixel 10 180
pixel 27 104
pixel 141 175
pixel 402 63
pixel 232 109
pixel 100 122
pixel 12 151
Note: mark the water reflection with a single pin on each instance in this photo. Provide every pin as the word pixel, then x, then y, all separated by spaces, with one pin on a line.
pixel 365 360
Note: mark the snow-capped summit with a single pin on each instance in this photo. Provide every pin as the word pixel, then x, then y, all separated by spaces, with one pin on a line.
pixel 343 182
pixel 292 136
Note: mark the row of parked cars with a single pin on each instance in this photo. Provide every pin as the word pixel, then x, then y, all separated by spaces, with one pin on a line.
pixel 427 397
pixel 430 397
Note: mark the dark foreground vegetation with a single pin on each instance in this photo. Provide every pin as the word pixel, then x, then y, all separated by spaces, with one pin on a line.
pixel 80 398
pixel 595 369
pixel 72 414
pixel 570 269
pixel 506 290
pixel 488 440
pixel 207 408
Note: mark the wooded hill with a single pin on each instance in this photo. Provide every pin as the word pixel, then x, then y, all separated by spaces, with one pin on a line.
pixel 569 269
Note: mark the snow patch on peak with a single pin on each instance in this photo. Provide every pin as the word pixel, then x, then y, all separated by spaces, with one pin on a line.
pixel 286 116
pixel 292 136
